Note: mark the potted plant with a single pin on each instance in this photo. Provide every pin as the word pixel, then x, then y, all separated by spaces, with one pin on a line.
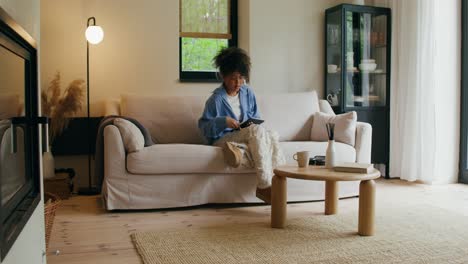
pixel 59 107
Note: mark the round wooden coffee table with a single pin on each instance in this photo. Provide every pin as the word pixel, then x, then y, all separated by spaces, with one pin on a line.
pixel 331 178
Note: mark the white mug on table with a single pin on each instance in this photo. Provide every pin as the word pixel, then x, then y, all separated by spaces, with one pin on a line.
pixel 302 158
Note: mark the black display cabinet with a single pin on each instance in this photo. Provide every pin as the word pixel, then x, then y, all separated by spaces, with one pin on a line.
pixel 357 69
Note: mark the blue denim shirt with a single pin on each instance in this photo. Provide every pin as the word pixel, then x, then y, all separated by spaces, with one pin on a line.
pixel 212 124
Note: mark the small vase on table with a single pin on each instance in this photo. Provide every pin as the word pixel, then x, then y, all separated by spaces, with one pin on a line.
pixel 330 157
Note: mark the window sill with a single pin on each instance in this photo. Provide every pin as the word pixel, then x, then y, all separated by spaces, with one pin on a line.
pixel 199 77
pixel 187 80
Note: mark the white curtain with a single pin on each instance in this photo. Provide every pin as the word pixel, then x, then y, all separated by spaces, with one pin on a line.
pixel 413 138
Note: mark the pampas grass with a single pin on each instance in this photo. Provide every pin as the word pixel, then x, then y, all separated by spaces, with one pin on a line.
pixel 60 107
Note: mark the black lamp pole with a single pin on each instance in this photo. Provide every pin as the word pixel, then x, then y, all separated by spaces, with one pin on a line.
pixel 90 190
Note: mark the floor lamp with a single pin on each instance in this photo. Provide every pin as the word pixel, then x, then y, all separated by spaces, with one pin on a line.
pixel 94 35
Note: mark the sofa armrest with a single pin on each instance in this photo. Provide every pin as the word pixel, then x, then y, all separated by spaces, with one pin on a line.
pixel 114 153
pixel 112 107
pixel 325 107
pixel 363 143
pixel 115 188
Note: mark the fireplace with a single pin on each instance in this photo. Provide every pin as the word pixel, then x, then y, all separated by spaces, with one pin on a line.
pixel 19 131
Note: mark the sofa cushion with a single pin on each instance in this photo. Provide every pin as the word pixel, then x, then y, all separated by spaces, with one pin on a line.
pixel 131 135
pixel 170 119
pixel 187 158
pixel 345 127
pixel 289 114
pixel 174 119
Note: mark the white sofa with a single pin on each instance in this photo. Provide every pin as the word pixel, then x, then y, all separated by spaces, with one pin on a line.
pixel 181 171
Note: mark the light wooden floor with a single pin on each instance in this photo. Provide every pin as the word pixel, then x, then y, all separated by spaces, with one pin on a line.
pixel 85 233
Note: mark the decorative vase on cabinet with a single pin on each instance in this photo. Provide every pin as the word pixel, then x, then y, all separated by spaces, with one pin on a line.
pixel 357 44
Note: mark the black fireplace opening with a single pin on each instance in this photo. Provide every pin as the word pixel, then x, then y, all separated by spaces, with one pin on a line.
pixel 19 131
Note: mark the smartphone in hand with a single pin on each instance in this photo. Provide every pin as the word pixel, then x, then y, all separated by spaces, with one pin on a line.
pixel 250 121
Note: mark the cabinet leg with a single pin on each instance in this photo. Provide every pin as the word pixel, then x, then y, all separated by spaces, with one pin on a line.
pixel 278 202
pixel 366 226
pixel 331 197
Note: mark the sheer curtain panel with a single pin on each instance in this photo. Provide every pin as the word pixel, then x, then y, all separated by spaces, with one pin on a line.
pixel 412 116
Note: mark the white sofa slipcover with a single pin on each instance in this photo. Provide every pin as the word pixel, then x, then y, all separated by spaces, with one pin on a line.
pixel 179 170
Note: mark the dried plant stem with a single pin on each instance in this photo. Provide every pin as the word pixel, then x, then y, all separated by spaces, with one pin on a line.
pixel 61 107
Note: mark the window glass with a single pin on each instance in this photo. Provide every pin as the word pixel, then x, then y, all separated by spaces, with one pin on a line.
pixel 204 16
pixel 206 27
pixel 198 53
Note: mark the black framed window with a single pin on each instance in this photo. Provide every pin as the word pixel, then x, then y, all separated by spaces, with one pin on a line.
pixel 206 26
pixel 463 172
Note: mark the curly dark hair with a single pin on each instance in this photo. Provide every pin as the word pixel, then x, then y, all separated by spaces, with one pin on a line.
pixel 233 59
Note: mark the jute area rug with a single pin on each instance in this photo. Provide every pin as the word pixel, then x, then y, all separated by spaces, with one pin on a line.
pixel 412 235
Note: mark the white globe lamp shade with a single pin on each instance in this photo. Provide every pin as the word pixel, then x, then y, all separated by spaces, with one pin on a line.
pixel 94 34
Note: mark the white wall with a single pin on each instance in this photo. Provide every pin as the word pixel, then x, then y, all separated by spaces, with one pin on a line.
pixel 140 50
pixel 139 53
pixel 30 244
pixel 286 45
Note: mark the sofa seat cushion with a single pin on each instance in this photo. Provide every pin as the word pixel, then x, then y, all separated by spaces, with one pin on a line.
pixel 191 158
pixel 344 152
pixel 180 159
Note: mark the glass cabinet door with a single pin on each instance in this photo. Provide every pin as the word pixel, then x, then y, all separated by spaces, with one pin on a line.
pixel 334 58
pixel 365 59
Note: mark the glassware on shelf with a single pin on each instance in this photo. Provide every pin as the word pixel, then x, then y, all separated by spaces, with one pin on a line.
pixel 332 68
pixel 367 65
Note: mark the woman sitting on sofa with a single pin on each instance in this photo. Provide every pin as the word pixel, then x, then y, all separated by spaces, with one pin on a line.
pixel 231 104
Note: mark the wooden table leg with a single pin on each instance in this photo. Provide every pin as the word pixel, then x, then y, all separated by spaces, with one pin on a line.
pixel 366 226
pixel 331 197
pixel 278 202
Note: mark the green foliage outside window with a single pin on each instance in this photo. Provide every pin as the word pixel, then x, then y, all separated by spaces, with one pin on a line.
pixel 198 53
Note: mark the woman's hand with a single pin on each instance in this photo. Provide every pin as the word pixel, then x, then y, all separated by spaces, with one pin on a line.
pixel 232 123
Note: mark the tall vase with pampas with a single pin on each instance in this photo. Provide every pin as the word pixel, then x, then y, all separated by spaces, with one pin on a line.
pixel 59 107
